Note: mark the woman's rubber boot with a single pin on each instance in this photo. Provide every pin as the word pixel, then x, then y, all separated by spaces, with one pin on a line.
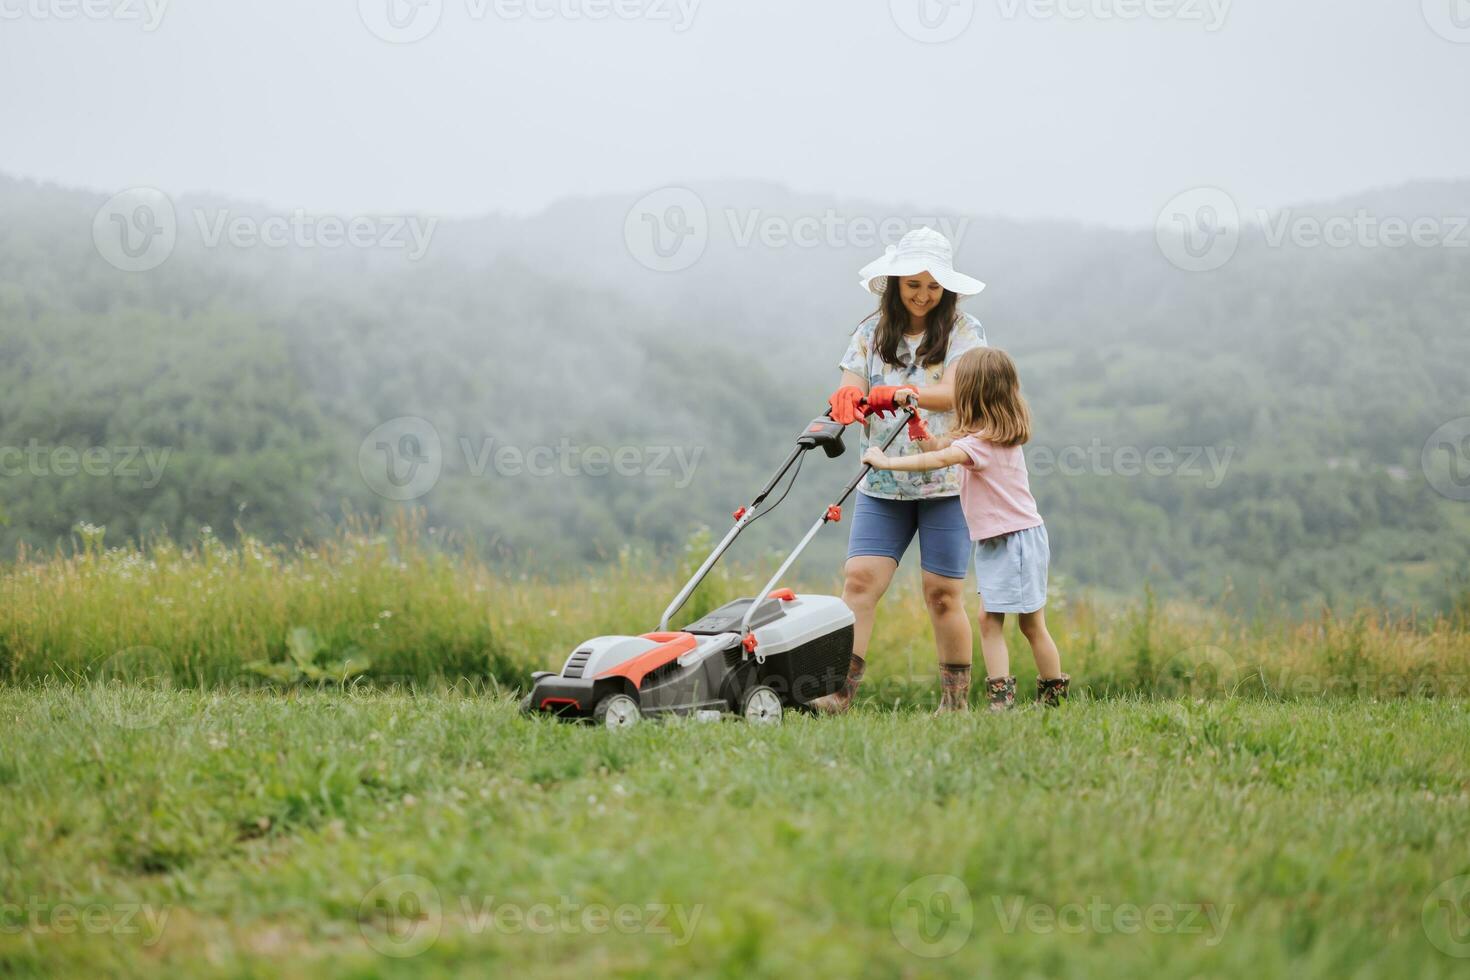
pixel 1000 692
pixel 954 688
pixel 839 701
pixel 1052 692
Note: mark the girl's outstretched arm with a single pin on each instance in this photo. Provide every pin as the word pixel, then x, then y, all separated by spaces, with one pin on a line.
pixel 936 460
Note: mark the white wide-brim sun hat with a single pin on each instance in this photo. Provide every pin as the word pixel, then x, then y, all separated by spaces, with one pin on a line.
pixel 922 250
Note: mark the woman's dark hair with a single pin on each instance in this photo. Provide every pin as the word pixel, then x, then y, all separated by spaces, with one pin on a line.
pixel 893 321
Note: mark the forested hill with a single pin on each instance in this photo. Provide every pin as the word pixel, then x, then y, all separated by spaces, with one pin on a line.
pixel 1275 409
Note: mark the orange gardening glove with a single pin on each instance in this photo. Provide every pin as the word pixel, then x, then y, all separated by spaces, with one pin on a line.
pixel 846 404
pixel 918 431
pixel 880 399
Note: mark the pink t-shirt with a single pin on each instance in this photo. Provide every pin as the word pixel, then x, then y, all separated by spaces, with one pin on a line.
pixel 995 491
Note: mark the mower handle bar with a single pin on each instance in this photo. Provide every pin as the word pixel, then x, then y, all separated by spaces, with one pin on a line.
pixel 747 514
pixel 847 491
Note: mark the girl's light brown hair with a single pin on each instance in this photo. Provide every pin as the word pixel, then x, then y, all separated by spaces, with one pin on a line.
pixel 987 398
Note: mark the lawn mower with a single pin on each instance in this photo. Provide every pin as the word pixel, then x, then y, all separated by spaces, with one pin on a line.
pixel 751 658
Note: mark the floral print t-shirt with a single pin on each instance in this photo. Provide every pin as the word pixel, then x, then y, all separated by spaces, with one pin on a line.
pixel 863 360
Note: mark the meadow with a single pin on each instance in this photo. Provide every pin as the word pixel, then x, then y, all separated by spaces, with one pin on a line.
pixel 306 761
pixel 397 605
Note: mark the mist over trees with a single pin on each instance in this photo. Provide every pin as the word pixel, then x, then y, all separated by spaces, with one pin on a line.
pixel 1256 429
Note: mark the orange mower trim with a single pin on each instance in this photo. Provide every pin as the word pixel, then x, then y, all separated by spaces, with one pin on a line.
pixel 671 646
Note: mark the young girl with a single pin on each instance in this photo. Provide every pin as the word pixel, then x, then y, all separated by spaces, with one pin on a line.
pixel 1011 550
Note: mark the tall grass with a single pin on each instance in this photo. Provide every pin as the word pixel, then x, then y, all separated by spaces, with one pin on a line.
pixel 417 609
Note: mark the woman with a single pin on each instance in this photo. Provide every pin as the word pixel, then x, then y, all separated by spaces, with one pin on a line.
pixel 907 351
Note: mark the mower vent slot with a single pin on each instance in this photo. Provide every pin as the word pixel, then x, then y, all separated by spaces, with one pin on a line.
pixel 577 663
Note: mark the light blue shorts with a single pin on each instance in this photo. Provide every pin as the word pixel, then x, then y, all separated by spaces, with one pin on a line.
pixel 885 528
pixel 1010 571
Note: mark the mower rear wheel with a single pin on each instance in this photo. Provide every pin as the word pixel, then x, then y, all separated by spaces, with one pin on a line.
pixel 616 711
pixel 762 706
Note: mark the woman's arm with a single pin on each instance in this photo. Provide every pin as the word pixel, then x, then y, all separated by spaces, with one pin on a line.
pixel 934 398
pixel 936 460
pixel 856 380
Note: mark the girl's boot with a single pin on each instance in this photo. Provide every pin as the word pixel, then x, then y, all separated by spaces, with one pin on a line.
pixel 1000 692
pixel 954 688
pixel 1052 692
pixel 839 701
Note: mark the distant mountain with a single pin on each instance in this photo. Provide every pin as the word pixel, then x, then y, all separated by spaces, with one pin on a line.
pixel 1286 393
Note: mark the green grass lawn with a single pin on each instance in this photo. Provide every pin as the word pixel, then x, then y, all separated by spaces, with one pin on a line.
pixel 341 834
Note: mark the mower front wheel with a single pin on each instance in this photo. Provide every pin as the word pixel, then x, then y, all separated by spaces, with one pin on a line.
pixel 616 711
pixel 761 706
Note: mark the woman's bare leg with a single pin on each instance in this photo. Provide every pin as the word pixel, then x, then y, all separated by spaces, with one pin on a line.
pixel 945 598
pixel 867 578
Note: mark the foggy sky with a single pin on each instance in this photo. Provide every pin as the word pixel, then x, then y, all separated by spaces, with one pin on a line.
pixel 511 104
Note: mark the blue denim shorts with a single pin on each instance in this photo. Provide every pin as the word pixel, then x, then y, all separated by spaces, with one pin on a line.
pixel 1010 571
pixel 884 528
